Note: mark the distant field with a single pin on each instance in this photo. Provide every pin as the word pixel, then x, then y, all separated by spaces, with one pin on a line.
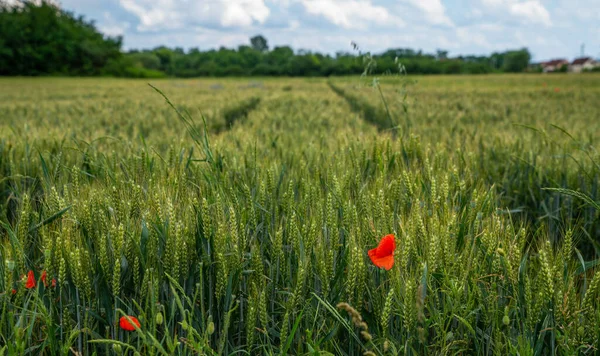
pixel 244 234
pixel 90 107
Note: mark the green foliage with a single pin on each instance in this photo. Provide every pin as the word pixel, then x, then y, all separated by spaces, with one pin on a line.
pixel 255 61
pixel 259 43
pixel 516 61
pixel 42 39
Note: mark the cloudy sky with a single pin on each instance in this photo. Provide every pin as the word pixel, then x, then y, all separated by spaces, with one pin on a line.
pixel 549 28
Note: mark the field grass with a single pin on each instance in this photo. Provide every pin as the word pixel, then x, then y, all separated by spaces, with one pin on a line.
pixel 236 217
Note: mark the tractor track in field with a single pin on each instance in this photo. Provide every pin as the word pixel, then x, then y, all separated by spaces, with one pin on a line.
pixel 236 113
pixel 371 114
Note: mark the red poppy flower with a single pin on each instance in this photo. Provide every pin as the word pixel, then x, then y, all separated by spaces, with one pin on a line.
pixel 126 325
pixel 43 278
pixel 53 282
pixel 14 291
pixel 383 255
pixel 30 280
pixel 556 90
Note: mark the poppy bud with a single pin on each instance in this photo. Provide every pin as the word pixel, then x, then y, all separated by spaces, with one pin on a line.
pixel 506 320
pixel 30 280
pixel 117 349
pixel 211 328
pixel 159 318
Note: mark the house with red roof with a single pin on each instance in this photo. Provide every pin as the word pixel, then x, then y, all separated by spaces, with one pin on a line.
pixel 554 65
pixel 582 64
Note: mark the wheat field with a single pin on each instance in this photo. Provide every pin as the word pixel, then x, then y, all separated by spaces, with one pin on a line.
pixel 236 216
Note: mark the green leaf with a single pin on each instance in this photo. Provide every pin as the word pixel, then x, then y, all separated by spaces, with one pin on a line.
pixel 51 218
pixel 576 194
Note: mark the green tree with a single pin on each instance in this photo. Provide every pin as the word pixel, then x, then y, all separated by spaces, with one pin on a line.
pixel 146 60
pixel 38 38
pixel 516 61
pixel 259 43
pixel 250 56
pixel 165 56
pixel 441 54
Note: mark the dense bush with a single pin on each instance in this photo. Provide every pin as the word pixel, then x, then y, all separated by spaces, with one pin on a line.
pixel 41 39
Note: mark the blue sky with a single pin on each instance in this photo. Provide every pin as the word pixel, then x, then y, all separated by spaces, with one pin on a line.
pixel 549 28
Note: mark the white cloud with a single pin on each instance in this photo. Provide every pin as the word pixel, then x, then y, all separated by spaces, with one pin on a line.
pixel 434 10
pixel 480 26
pixel 111 27
pixel 467 35
pixel 244 13
pixel 19 3
pixel 475 14
pixel 489 27
pixel 531 11
pixel 495 2
pixel 350 14
pixel 174 14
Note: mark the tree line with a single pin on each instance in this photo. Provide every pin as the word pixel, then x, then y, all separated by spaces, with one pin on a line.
pixel 40 38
